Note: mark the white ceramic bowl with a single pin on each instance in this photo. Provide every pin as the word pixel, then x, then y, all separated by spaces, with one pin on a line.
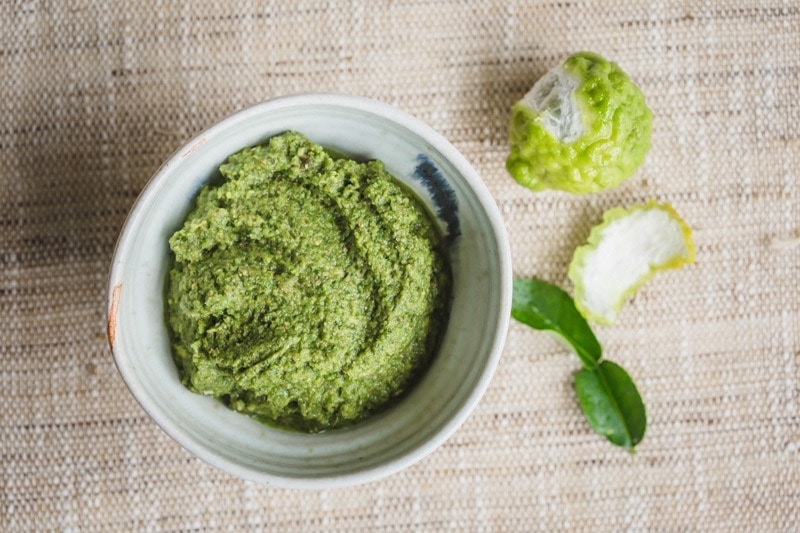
pixel 389 441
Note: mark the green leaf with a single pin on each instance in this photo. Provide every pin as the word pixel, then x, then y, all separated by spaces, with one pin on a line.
pixel 611 403
pixel 544 306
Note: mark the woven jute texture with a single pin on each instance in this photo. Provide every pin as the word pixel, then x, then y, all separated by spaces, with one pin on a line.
pixel 94 96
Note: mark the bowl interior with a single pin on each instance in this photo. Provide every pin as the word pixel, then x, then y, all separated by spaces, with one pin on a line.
pixel 389 441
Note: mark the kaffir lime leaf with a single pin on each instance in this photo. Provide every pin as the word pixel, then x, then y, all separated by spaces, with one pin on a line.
pixel 625 251
pixel 583 127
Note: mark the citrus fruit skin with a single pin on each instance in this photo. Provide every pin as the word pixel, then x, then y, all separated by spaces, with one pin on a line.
pixel 623 252
pixel 585 127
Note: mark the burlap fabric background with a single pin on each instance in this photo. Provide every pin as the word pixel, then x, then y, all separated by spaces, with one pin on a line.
pixel 95 95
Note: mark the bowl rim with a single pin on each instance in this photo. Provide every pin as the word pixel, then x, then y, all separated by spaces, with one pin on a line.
pixel 406 121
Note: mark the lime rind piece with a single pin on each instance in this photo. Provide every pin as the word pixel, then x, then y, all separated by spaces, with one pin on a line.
pixel 584 127
pixel 625 251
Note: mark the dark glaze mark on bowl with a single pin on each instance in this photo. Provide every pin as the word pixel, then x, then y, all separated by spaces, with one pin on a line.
pixel 442 194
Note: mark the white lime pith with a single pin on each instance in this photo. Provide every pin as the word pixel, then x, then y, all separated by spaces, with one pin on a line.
pixel 553 97
pixel 625 251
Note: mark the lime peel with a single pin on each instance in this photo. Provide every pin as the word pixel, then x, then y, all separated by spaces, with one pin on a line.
pixel 625 251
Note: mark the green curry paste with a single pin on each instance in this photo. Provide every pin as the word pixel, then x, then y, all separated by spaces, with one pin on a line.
pixel 307 290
